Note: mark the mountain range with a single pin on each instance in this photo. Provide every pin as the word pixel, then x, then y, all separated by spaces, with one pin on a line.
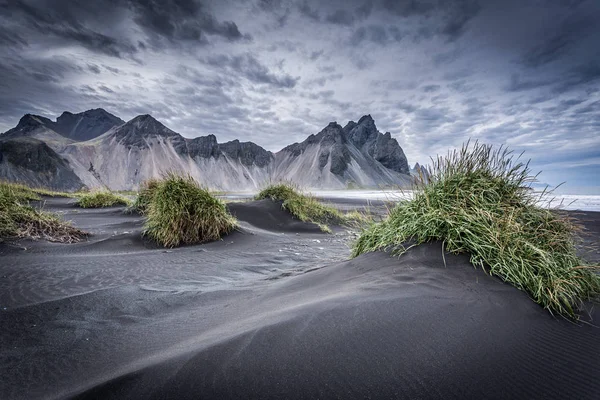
pixel 97 149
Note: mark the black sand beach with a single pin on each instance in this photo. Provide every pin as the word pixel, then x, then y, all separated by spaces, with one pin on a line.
pixel 275 310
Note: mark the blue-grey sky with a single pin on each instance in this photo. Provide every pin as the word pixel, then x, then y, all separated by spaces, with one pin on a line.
pixel 434 73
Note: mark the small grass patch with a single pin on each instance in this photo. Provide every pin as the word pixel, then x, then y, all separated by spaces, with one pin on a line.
pixel 144 196
pixel 101 199
pixel 19 220
pixel 477 200
pixel 180 212
pixel 307 208
pixel 35 193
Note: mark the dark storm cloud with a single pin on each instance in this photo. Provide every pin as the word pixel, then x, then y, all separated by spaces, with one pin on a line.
pixel 364 10
pixel 181 20
pixel 431 88
pixel 374 33
pixel 456 19
pixel 94 68
pixel 340 17
pixel 10 38
pixel 112 69
pixel 575 28
pixel 432 72
pixel 64 21
pixel 248 66
pixel 453 15
pixel 89 24
pixel 579 76
pixel 518 84
pixel 306 10
pixel 106 89
pixel 316 54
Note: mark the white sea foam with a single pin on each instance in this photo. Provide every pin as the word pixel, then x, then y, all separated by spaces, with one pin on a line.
pixel 562 201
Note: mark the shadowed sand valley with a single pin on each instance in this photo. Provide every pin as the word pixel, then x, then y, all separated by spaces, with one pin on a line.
pixel 274 310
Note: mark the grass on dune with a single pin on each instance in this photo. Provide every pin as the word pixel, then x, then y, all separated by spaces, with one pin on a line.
pixel 180 212
pixel 101 199
pixel 18 219
pixel 307 208
pixel 144 196
pixel 477 200
pixel 34 193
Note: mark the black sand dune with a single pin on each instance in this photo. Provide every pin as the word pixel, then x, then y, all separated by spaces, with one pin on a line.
pixel 273 312
pixel 269 215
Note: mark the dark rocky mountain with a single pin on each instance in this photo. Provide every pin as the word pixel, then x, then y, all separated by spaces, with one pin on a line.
pixel 247 152
pixel 420 172
pixel 78 127
pixel 357 155
pixel 33 162
pixel 86 125
pixel 28 124
pixel 382 147
pixel 135 132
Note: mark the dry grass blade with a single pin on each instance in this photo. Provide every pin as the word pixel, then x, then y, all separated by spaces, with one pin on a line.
pixel 19 220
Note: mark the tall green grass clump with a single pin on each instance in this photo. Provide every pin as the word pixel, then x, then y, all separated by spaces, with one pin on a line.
pixel 101 199
pixel 19 220
pixel 182 212
pixel 478 200
pixel 304 207
pixel 145 194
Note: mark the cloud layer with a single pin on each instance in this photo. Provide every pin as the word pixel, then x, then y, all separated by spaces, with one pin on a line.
pixel 434 72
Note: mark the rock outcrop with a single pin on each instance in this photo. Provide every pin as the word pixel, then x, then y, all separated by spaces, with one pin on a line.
pixel 34 163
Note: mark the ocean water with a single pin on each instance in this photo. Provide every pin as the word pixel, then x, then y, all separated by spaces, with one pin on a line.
pixel 561 201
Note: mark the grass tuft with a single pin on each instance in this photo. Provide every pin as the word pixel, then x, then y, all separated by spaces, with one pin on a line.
pixel 180 212
pixel 101 199
pixel 20 220
pixel 307 208
pixel 478 200
pixel 145 196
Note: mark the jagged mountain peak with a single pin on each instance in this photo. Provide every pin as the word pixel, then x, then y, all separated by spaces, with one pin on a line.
pixel 33 120
pixel 28 124
pixel 362 132
pixel 126 153
pixel 86 125
pixel 79 127
pixel 248 153
pixel 366 120
pixel 135 132
pixel 147 125
pixel 92 113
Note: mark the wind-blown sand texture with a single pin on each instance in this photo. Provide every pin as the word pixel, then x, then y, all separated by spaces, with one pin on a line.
pixel 274 310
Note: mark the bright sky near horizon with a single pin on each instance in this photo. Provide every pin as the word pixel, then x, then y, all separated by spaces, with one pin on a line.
pixel 433 72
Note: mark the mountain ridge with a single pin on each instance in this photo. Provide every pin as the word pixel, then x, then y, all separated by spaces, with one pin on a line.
pixel 142 148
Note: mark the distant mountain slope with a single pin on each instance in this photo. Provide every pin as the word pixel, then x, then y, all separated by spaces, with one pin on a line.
pixel 144 148
pixel 122 157
pixel 336 157
pixel 78 127
pixel 34 163
pixel 86 125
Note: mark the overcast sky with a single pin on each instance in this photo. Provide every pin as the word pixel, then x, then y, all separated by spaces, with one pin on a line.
pixel 433 73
